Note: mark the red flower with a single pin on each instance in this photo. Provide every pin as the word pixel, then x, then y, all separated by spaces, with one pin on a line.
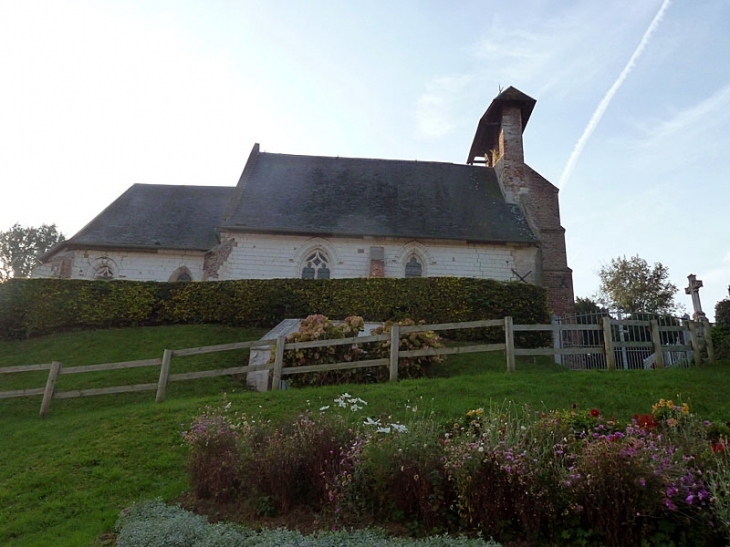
pixel 595 412
pixel 647 421
pixel 717 447
pixel 575 405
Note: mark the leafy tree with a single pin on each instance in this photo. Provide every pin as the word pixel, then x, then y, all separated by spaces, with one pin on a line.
pixel 21 246
pixel 631 285
pixel 721 330
pixel 587 307
pixel 722 313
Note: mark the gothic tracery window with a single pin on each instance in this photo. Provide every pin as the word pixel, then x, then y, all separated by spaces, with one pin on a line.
pixel 414 267
pixel 316 266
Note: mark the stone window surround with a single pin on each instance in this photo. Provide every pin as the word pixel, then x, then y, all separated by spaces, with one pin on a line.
pixel 182 272
pixel 317 260
pixel 105 268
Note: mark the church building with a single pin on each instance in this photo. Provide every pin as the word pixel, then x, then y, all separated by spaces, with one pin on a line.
pixel 324 217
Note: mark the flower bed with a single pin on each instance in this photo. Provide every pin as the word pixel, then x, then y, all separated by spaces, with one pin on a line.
pixel 572 477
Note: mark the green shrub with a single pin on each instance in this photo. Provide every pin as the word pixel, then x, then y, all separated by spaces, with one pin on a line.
pixel 508 468
pixel 722 314
pixel 214 455
pixel 274 467
pixel 292 464
pixel 30 307
pixel 408 367
pixel 318 327
pixel 721 342
pixel 397 473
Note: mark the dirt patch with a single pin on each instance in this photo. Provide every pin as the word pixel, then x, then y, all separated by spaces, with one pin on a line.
pixel 303 520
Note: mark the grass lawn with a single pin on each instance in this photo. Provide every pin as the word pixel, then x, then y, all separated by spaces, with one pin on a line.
pixel 64 479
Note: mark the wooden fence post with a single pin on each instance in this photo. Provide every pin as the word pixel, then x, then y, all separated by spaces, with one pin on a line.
pixel 164 375
pixel 696 346
pixel 50 387
pixel 708 340
pixel 278 363
pixel 509 344
pixel 557 339
pixel 394 348
pixel 656 340
pixel 608 342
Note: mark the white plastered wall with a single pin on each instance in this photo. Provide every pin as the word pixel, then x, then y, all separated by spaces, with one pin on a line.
pixel 261 256
pixel 157 265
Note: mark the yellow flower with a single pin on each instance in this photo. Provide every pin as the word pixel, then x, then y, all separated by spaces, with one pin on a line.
pixel 672 422
pixel 685 408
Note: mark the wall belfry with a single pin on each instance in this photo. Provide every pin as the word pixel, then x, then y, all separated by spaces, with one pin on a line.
pixel 511 162
pixel 498 144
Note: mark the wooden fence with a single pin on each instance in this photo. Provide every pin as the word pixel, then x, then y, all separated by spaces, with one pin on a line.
pixel 56 369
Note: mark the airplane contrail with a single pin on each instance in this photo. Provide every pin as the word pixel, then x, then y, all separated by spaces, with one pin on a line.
pixel 603 105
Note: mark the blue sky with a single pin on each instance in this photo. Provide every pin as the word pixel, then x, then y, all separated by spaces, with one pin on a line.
pixel 99 95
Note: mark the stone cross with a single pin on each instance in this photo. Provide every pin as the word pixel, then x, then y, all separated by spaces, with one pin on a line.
pixel 694 290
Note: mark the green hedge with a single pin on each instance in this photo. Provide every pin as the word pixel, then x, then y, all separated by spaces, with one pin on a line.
pixel 30 307
pixel 722 313
pixel 721 330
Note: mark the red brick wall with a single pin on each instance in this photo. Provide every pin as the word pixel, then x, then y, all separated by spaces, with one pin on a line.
pixel 377 268
pixel 215 258
pixel 538 199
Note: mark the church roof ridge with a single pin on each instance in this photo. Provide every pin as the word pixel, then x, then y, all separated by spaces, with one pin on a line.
pixel 357 158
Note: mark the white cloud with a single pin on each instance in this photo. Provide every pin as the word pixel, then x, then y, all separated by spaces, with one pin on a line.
pixel 703 125
pixel 436 109
pixel 548 53
pixel 603 105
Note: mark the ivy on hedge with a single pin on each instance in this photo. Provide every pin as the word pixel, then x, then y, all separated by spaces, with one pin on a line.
pixel 30 307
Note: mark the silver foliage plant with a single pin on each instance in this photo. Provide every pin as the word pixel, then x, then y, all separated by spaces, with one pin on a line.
pixel 154 524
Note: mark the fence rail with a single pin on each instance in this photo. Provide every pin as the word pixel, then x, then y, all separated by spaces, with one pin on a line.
pixel 608 349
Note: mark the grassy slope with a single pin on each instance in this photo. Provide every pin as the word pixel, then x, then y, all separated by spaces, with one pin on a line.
pixel 64 479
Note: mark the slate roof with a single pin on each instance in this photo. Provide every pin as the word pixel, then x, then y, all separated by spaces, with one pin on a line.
pixel 369 197
pixel 157 216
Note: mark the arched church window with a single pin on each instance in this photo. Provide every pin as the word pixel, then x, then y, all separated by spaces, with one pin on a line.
pixel 181 274
pixel 316 266
pixel 104 268
pixel 414 267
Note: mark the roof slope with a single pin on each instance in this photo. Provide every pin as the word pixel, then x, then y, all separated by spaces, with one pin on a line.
pixel 487 134
pixel 370 197
pixel 158 216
